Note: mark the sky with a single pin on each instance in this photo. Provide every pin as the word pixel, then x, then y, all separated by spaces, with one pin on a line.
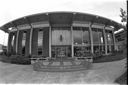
pixel 13 9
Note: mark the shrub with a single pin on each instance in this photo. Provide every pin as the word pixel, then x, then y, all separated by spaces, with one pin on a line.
pixel 19 59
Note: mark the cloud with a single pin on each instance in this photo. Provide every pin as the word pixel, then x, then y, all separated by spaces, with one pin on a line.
pixel 12 9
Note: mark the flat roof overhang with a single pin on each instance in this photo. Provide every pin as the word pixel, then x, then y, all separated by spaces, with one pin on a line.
pixel 60 18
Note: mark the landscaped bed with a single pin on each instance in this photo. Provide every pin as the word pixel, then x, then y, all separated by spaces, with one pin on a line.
pixel 122 79
pixel 109 58
pixel 112 57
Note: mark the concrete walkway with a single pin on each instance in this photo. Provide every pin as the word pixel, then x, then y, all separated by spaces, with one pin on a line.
pixel 100 73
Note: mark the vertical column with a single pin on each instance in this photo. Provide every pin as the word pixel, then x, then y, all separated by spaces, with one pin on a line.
pixel 14 45
pixel 42 41
pixel 50 41
pixel 30 41
pixel 9 43
pixel 17 41
pixel 72 44
pixel 35 42
pixel 27 42
pixel 114 40
pixel 105 39
pixel 91 37
pixel 46 41
pixel 19 48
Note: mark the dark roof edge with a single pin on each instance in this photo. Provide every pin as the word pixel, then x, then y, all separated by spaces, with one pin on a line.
pixel 119 24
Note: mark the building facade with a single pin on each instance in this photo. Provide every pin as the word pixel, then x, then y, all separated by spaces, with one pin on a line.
pixel 61 34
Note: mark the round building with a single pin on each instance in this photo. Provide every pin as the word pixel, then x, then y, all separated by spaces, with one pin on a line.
pixel 64 35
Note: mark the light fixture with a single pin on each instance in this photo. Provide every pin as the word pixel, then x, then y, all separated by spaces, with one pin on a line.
pixel 10 28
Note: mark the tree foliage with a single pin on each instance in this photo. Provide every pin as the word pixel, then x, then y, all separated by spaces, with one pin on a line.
pixel 123 15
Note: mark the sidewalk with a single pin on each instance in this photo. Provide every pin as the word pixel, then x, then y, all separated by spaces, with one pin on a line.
pixel 101 73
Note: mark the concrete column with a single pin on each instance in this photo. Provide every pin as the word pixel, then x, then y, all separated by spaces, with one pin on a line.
pixel 17 41
pixel 91 38
pixel 34 47
pixel 14 45
pixel 72 47
pixel 30 42
pixel 114 40
pixel 9 43
pixel 27 42
pixel 19 48
pixel 105 39
pixel 50 42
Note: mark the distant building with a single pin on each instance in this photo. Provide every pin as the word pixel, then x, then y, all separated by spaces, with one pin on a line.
pixel 1 48
pixel 120 40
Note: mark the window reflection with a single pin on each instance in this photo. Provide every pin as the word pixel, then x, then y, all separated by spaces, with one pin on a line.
pixel 81 35
pixel 40 41
pixel 82 51
pixel 97 36
pixel 77 35
pixel 99 49
pixel 110 48
pixel 23 42
pixel 86 39
pixel 12 42
pixel 110 41
pixel 109 37
pixel 98 41
pixel 81 39
pixel 61 51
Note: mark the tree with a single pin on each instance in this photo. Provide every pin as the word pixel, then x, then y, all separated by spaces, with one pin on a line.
pixel 123 16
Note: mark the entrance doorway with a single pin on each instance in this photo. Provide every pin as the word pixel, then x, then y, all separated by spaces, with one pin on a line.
pixel 61 44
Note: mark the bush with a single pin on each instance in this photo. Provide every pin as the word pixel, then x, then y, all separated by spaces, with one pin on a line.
pixel 19 59
pixel 5 59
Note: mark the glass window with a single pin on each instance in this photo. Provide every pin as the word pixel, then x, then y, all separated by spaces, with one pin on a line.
pixel 81 38
pixel 102 49
pixel 40 41
pixel 23 42
pixel 12 42
pixel 81 35
pixel 98 41
pixel 101 38
pixel 109 37
pixel 99 49
pixel 110 42
pixel 86 38
pixel 110 48
pixel 96 49
pixel 95 35
pixel 77 35
pixel 82 51
pixel 61 51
